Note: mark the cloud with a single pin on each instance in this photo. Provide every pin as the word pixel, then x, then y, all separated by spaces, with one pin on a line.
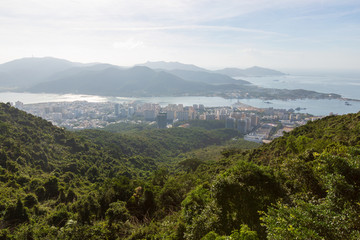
pixel 128 44
pixel 155 11
pixel 182 27
pixel 208 31
pixel 313 15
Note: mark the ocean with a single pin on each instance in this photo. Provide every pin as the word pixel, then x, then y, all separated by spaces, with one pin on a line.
pixel 348 85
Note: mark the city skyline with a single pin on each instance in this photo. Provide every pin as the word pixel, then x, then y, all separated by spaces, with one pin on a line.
pixel 281 34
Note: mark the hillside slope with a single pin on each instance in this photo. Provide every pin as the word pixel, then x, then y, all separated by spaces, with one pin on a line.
pixel 305 185
pixel 26 72
pixel 136 81
pixel 50 177
pixel 56 184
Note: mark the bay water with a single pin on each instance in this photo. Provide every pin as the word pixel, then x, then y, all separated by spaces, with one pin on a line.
pixel 348 85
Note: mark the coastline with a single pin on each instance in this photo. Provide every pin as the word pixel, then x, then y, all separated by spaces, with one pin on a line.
pixel 319 107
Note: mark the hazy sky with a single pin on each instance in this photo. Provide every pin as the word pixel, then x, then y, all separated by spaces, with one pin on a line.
pixel 282 34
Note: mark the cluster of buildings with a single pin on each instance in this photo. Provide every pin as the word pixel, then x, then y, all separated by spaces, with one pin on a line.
pixel 72 115
pixel 256 124
pixel 150 111
pixel 242 121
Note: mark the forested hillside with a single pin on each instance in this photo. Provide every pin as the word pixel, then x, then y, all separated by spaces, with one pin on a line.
pixel 304 185
pixel 95 184
pixel 50 177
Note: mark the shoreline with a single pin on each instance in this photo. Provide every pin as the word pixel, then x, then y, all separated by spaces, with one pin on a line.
pixel 320 107
pixel 340 98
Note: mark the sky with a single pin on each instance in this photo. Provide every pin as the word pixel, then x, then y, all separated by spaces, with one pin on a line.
pixel 279 34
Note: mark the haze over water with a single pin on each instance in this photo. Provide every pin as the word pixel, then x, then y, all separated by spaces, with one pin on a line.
pixel 347 84
pixel 315 107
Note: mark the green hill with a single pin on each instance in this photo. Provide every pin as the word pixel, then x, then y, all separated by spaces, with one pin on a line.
pixel 95 184
pixel 304 185
pixel 159 143
pixel 50 177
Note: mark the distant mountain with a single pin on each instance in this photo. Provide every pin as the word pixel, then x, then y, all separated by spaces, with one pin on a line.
pixel 29 71
pixel 206 77
pixel 232 72
pixel 76 70
pixel 62 76
pixel 259 71
pixel 145 82
pixel 5 79
pixel 51 75
pixel 25 73
pixel 250 72
pixel 172 66
pixel 136 81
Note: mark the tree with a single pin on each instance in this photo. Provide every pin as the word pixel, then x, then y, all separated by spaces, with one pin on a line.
pixel 16 214
pixel 117 212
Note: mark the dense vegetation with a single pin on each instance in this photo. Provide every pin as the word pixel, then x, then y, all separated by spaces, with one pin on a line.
pixel 159 143
pixel 100 185
pixel 50 177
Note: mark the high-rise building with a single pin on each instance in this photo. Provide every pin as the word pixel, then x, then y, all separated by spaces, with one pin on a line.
pixel 248 124
pixel 161 120
pixel 237 115
pixel 182 115
pixel 210 117
pixel 230 123
pixel 123 112
pixel 222 117
pixel 149 115
pixel 170 116
pixel 242 126
pixel 117 109
pixel 192 115
pixel 131 112
pixel 254 120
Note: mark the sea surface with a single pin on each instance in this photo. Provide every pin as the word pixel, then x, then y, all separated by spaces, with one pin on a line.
pixel 315 107
pixel 348 85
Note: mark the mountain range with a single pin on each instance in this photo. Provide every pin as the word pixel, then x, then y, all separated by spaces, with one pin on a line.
pixel 231 72
pixel 135 81
pixel 52 75
pixel 172 66
pixel 249 72
pixel 26 72
pixel 61 76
